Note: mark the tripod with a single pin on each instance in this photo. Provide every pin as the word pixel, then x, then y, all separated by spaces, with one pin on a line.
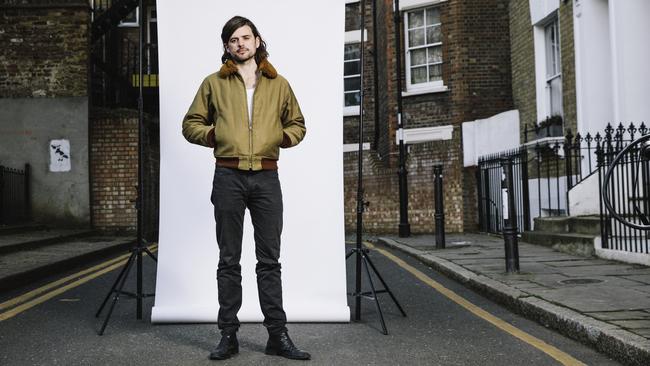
pixel 362 258
pixel 118 285
pixel 139 248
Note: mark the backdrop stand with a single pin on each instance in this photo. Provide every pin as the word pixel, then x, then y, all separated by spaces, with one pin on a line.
pixel 140 244
pixel 362 258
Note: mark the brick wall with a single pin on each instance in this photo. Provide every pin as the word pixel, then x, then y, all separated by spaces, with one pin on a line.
pixel 114 169
pixel 476 69
pixel 523 63
pixel 567 51
pixel 351 123
pixel 381 189
pixel 44 48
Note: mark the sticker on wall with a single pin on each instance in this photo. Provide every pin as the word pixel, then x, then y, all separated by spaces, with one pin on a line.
pixel 60 156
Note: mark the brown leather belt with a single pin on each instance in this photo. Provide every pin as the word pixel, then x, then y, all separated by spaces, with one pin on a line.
pixel 267 164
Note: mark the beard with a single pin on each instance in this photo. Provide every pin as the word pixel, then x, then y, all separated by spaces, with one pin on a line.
pixel 242 58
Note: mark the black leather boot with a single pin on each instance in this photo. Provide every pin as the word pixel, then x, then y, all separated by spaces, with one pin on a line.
pixel 281 345
pixel 227 347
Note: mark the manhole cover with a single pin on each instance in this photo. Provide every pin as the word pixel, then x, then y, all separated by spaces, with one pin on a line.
pixel 580 281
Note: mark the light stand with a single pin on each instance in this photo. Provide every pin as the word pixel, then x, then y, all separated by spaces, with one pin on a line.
pixel 404 226
pixel 362 258
pixel 139 247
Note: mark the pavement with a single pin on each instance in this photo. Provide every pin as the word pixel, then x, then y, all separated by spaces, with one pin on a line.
pixel 604 304
pixel 32 252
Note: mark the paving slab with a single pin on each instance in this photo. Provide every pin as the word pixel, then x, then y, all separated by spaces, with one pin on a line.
pixel 592 300
pixel 18 268
pixel 633 324
pixel 36 238
pixel 621 315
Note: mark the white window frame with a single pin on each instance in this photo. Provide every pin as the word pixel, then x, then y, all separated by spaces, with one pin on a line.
pixel 353 110
pixel 132 24
pixel 421 88
pixel 557 63
pixel 543 12
pixel 412 4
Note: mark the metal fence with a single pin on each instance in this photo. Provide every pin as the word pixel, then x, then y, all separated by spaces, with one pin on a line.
pixel 545 170
pixel 15 203
pixel 628 191
pixel 490 178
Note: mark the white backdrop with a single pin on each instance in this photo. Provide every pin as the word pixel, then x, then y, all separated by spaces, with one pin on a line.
pixel 305 41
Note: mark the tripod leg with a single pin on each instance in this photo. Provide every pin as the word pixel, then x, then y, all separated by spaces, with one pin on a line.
pixel 138 292
pixel 385 286
pixel 117 280
pixel 151 254
pixel 118 290
pixel 374 293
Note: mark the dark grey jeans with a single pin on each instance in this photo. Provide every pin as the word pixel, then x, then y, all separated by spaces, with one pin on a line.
pixel 233 191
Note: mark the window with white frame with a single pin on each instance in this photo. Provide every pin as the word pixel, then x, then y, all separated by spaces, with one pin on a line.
pixel 352 75
pixel 423 48
pixel 553 68
pixel 131 20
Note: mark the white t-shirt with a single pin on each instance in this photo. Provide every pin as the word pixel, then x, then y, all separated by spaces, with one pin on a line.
pixel 249 97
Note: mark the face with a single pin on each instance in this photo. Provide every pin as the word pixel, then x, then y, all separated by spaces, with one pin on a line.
pixel 242 45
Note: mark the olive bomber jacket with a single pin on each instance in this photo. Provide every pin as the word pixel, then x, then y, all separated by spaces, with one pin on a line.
pixel 218 117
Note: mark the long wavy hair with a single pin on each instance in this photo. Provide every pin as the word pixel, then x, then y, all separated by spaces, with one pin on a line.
pixel 230 27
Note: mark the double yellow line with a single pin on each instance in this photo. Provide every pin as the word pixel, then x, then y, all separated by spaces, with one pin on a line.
pixel 17 305
pixel 557 354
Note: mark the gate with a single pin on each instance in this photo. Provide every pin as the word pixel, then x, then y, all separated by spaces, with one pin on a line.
pixel 14 195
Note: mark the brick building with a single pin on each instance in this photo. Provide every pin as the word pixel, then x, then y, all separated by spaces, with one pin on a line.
pixel 455 58
pixel 44 105
pixel 68 100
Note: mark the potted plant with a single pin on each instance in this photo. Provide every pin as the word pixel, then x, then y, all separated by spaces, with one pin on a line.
pixel 549 127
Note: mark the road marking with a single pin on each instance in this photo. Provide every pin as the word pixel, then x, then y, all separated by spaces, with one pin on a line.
pixel 31 294
pixel 557 354
pixel 107 266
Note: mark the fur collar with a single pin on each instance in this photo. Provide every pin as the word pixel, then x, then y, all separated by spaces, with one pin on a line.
pixel 229 68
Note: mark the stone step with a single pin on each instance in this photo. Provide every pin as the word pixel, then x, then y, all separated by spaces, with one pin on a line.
pixel 20 228
pixel 26 266
pixel 32 239
pixel 572 243
pixel 589 225
pixel 554 224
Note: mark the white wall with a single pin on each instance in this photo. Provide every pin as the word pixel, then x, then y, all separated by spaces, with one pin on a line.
pixel 491 135
pixel 594 97
pixel 583 197
pixel 612 53
pixel 308 51
pixel 630 32
pixel 540 9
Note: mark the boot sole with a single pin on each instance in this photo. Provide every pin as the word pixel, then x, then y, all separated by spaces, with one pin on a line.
pixel 272 352
pixel 224 357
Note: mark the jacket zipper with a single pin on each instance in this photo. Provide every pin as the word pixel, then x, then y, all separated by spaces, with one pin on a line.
pixel 250 130
pixel 250 126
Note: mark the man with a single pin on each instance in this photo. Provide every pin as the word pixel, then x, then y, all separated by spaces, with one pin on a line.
pixel 246 112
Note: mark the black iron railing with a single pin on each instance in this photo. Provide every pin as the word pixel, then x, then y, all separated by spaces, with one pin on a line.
pixel 546 170
pixel 490 189
pixel 15 203
pixel 628 189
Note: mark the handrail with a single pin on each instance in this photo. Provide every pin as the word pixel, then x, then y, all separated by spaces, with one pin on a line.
pixel 644 155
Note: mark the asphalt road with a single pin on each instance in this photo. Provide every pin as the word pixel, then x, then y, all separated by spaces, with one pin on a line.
pixel 437 330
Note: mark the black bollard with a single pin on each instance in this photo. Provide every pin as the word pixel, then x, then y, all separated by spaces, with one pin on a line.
pixel 510 220
pixel 440 210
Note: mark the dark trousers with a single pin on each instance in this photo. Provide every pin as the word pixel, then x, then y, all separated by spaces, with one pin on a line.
pixel 233 191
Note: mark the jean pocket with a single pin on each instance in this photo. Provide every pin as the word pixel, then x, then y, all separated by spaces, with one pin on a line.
pixel 222 171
